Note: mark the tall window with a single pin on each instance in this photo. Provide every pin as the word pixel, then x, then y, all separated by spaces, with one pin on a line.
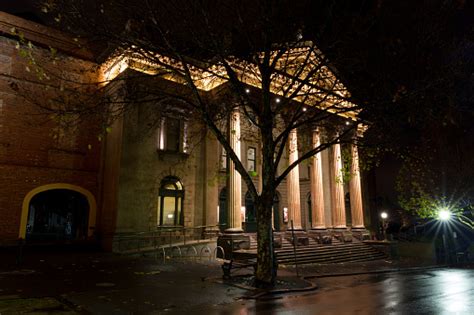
pixel 172 135
pixel 170 202
pixel 251 159
pixel 223 159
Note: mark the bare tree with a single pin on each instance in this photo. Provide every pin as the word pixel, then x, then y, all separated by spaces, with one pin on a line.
pixel 254 59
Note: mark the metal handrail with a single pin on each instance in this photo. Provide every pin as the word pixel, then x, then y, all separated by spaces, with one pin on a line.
pixel 163 236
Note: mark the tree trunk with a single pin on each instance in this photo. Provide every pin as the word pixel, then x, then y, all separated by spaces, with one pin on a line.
pixel 266 262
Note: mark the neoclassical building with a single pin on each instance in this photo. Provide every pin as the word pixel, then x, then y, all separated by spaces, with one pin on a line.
pixel 152 169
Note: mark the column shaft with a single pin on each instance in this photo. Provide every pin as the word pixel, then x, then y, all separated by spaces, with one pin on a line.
pixel 234 181
pixel 210 183
pixel 355 191
pixel 293 184
pixel 317 195
pixel 339 209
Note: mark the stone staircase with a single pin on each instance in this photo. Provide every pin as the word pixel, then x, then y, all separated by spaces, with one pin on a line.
pixel 337 252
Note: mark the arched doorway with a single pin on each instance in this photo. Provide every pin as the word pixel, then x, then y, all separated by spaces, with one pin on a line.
pixel 58 214
pixel 223 209
pixel 170 203
pixel 250 215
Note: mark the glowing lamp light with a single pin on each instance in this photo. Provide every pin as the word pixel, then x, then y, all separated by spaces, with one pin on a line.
pixel 444 215
pixel 384 215
pixel 347 123
pixel 247 91
pixel 304 109
pixel 277 100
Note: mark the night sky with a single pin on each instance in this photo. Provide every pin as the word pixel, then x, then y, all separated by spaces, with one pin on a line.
pixel 395 53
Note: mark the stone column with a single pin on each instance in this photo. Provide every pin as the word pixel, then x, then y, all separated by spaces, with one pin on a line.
pixel 337 189
pixel 355 191
pixel 317 195
pixel 234 180
pixel 211 190
pixel 293 184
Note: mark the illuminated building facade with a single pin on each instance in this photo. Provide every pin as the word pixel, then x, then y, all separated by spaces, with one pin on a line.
pixel 150 171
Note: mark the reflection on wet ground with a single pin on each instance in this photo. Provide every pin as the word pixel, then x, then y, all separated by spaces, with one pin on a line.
pixel 436 291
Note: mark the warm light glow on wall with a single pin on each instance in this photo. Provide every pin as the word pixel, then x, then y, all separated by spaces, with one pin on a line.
pixel 214 76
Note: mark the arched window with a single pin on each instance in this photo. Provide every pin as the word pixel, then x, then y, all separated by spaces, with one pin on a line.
pixel 170 202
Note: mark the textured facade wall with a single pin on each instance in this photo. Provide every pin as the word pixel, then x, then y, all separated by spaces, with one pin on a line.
pixel 143 167
pixel 33 151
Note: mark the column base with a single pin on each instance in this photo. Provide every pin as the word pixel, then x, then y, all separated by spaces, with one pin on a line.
pixel 320 235
pixel 300 237
pixel 231 242
pixel 234 231
pixel 211 232
pixel 360 233
pixel 342 234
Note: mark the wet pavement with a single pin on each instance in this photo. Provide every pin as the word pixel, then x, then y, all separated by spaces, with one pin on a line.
pixel 435 291
pixel 72 282
pixel 108 284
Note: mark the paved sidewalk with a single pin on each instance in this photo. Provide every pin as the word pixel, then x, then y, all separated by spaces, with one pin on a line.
pixel 75 282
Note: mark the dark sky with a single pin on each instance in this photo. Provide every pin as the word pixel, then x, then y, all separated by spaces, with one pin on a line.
pixel 408 47
pixel 27 9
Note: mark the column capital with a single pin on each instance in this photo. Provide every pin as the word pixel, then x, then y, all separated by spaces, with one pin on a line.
pixel 361 129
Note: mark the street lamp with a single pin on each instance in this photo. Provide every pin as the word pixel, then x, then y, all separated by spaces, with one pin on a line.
pixel 444 215
pixel 384 217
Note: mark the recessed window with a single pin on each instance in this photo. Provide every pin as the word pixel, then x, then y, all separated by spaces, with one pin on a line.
pixel 170 202
pixel 172 135
pixel 251 159
pixel 223 163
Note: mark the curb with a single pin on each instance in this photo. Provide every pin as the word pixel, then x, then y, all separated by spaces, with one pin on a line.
pixel 311 286
pixel 345 274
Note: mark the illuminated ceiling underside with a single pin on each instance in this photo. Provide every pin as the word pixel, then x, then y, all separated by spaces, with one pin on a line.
pixel 298 74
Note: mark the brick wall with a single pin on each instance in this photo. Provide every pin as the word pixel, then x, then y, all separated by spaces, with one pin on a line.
pixel 34 151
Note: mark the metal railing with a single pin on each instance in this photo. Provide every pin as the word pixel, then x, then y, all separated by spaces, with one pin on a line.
pixel 164 237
